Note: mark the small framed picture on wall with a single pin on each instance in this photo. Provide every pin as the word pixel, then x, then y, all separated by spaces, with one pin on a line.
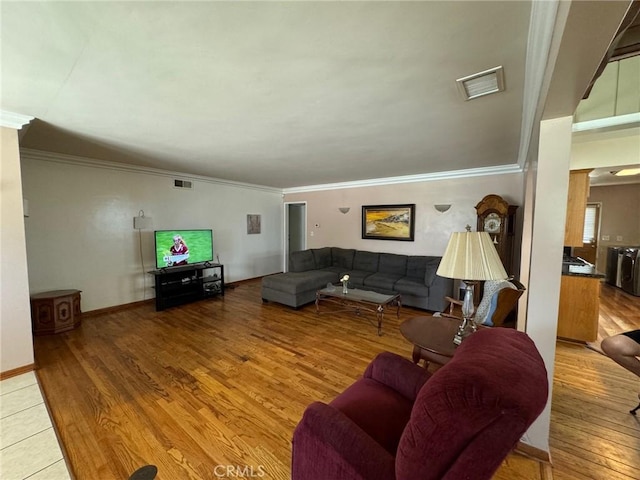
pixel 253 224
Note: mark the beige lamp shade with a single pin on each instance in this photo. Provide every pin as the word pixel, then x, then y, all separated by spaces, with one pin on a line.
pixel 471 256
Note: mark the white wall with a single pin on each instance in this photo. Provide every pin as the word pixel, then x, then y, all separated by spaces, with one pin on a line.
pixel 16 345
pixel 601 149
pixel 432 228
pixel 80 233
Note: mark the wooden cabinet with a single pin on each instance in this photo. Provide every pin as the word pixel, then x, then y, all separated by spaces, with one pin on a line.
pixel 576 206
pixel 55 312
pixel 579 308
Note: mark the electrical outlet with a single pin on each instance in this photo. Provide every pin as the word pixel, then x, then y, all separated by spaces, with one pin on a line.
pixel 618 238
pixel 606 238
pixel 311 233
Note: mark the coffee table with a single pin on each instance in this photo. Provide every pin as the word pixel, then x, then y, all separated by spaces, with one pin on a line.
pixel 432 338
pixel 358 300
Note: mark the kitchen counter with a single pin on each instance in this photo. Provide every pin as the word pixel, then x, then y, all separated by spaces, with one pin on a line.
pixel 581 271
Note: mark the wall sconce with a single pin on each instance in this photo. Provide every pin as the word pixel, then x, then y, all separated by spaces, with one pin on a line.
pixel 344 209
pixel 442 207
pixel 141 222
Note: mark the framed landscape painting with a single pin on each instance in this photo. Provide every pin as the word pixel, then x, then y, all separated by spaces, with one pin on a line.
pixel 388 222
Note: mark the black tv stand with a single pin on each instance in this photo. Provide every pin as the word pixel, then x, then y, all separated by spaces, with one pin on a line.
pixel 187 283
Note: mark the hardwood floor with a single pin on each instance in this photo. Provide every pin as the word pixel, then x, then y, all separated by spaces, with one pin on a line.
pixel 593 436
pixel 222 383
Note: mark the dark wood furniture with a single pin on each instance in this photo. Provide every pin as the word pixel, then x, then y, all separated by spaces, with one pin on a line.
pixel 432 338
pixel 179 285
pixel 506 303
pixel 55 311
pixel 498 219
pixel 358 300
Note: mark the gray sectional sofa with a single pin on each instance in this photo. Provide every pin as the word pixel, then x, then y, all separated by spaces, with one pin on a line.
pixel 413 276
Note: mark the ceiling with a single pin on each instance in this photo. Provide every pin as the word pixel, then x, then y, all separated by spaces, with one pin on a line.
pixel 280 94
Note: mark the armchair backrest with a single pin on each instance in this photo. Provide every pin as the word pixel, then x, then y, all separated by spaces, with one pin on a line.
pixel 506 302
pixel 498 300
pixel 473 411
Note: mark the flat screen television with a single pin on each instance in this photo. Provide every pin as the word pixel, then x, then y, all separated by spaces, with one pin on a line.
pixel 175 248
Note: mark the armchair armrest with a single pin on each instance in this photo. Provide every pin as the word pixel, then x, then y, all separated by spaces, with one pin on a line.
pixel 398 373
pixel 452 303
pixel 327 444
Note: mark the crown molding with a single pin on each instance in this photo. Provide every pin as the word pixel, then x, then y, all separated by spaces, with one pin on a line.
pixel 425 177
pixel 539 41
pixel 13 120
pixel 29 154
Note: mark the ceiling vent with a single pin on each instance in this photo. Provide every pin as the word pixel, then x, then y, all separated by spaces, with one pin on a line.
pixel 481 84
pixel 182 183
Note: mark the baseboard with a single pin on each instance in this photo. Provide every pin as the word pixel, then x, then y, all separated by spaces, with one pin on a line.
pixel 116 308
pixel 533 452
pixel 17 371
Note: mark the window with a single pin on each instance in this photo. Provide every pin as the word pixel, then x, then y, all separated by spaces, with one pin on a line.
pixel 589 233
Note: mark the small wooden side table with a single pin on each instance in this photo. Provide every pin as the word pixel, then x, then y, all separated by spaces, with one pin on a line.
pixel 55 312
pixel 432 338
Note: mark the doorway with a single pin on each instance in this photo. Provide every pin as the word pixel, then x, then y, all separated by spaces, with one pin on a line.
pixel 590 235
pixel 295 227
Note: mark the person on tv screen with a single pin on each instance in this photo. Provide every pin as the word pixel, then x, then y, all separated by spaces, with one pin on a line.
pixel 179 252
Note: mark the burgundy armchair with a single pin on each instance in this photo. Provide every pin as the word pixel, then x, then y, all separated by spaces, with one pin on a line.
pixel 400 422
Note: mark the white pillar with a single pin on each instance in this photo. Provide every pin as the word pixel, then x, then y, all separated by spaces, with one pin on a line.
pixel 549 195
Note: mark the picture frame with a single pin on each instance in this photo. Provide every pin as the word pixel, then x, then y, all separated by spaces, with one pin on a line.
pixel 253 224
pixel 389 222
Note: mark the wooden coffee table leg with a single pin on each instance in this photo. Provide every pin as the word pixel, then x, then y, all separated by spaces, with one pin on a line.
pixel 379 314
pixel 415 355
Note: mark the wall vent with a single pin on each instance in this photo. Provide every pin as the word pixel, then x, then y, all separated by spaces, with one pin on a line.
pixel 182 183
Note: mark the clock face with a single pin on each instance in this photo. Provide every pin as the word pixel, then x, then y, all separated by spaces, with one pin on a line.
pixel 492 223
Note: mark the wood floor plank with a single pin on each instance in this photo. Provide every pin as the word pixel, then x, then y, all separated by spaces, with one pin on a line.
pixel 223 383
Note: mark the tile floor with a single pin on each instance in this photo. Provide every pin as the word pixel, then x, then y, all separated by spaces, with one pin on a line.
pixel 28 445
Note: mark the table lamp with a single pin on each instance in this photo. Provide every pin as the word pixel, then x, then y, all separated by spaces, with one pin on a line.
pixel 471 257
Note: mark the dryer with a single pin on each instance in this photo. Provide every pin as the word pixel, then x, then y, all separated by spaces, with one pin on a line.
pixel 614 257
pixel 630 271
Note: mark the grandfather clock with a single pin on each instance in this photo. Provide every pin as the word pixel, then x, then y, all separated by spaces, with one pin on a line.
pixel 498 219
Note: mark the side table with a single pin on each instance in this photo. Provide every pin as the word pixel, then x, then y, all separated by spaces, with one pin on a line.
pixel 55 312
pixel 432 338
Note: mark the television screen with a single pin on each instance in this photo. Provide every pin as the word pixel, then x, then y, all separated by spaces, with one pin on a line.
pixel 183 247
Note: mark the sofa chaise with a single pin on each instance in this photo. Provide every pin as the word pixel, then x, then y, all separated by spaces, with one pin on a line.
pixel 413 276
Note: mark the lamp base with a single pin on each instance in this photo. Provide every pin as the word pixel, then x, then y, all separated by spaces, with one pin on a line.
pixel 466 328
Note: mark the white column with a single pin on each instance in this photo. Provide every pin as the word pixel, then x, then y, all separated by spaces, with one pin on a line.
pixel 549 195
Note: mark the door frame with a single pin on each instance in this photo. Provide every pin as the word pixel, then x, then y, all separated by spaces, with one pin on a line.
pixel 285 246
